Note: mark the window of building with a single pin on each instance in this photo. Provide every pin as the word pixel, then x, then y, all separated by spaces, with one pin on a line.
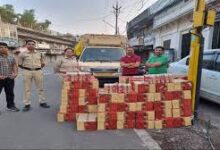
pixel 13 34
pixel 166 44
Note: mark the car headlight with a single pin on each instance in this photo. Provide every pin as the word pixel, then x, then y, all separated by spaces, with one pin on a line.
pixel 85 69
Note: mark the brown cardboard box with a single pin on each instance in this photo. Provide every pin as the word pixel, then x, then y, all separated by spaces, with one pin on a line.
pixel 170 87
pixel 150 97
pixel 101 116
pixel 167 104
pixel 158 124
pixel 120 124
pixel 100 125
pixel 92 117
pixel 157 96
pixel 176 103
pixel 82 101
pixel 114 97
pixel 60 117
pixel 92 108
pixel 132 106
pixel 82 93
pixel 187 94
pixel 152 88
pixel 120 116
pixel 139 106
pixel 121 98
pixel 63 109
pixel 150 115
pixel 101 107
pixel 80 122
pixel 177 86
pixel 176 113
pixel 150 124
pixel 168 113
pixel 187 121
pixel 95 84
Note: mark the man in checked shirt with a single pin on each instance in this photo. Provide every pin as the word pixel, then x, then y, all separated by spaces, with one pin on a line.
pixel 8 72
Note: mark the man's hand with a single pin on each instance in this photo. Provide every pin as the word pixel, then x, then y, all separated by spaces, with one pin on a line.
pixel 14 75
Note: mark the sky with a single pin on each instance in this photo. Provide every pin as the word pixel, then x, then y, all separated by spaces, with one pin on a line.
pixel 82 16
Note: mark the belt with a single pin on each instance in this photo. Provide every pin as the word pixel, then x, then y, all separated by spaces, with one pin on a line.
pixel 32 69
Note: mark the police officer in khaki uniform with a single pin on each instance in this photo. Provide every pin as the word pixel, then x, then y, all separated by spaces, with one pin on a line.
pixel 32 63
pixel 68 63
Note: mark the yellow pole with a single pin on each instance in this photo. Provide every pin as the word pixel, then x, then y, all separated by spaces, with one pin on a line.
pixel 198 23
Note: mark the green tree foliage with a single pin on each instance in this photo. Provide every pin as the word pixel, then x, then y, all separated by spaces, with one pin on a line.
pixel 43 25
pixel 8 14
pixel 26 19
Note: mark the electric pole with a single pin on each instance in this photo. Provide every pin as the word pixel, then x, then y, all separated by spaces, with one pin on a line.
pixel 116 12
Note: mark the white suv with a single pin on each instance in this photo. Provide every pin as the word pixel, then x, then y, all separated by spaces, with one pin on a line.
pixel 210 80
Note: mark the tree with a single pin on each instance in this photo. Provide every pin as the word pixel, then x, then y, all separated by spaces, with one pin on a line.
pixel 27 19
pixel 8 14
pixel 43 25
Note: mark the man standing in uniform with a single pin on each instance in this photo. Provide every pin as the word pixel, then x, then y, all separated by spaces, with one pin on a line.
pixel 8 72
pixel 32 63
pixel 130 63
pixel 158 63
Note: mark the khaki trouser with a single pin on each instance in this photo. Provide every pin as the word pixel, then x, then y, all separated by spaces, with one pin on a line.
pixel 37 76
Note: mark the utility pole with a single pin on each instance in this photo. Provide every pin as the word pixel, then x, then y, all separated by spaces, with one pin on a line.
pixel 201 18
pixel 116 12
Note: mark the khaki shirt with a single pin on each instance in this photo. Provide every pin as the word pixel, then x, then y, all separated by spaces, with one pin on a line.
pixel 67 65
pixel 31 59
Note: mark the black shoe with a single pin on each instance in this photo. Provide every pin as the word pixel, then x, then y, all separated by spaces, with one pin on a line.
pixel 27 108
pixel 44 105
pixel 14 109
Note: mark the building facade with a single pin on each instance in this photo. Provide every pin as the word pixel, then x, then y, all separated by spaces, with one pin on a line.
pixel 8 34
pixel 171 26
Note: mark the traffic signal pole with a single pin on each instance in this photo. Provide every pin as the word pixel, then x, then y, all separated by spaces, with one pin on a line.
pixel 201 18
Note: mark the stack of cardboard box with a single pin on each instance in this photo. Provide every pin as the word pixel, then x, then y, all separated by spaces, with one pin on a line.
pixel 143 102
pixel 79 91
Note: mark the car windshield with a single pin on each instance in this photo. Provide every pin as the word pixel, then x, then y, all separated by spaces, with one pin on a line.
pixel 102 54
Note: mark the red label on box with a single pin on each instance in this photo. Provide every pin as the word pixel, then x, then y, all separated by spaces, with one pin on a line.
pixel 92 100
pixel 104 98
pixel 140 124
pixel 177 122
pixel 187 104
pixel 81 108
pixel 159 114
pixel 121 107
pixel 130 124
pixel 158 106
pixel 91 126
pixel 187 112
pixel 111 124
pixel 168 123
pixel 148 106
pixel 186 85
pixel 140 115
pixel 112 115
pixel 168 96
pixel 132 97
pixel 130 115
pixel 177 94
pixel 160 87
pixel 140 98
